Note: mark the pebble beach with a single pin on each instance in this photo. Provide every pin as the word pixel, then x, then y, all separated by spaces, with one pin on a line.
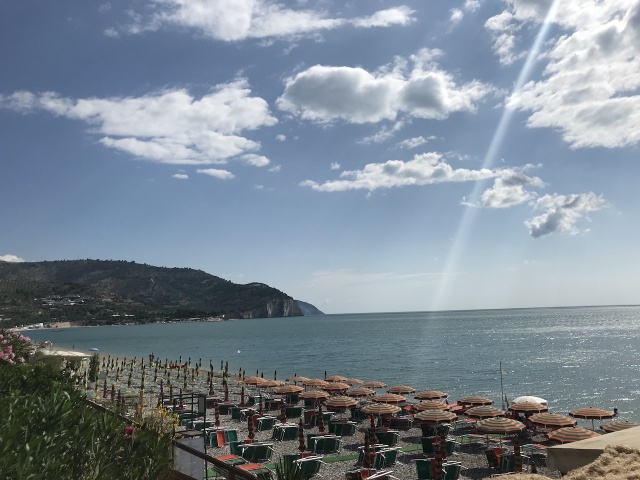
pixel 126 376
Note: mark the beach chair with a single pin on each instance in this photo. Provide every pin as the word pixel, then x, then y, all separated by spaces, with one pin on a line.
pixel 390 437
pixel 310 466
pixel 385 458
pixel 380 475
pixel 507 465
pixel 221 439
pixel 289 433
pixel 235 413
pixel 265 423
pixel 424 468
pixel 450 447
pixel 451 470
pixel 234 447
pixel 428 448
pixel 492 460
pixel 231 435
pixel 324 445
pixel 293 412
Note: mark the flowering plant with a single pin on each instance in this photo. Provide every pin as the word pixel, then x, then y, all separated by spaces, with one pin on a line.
pixel 14 347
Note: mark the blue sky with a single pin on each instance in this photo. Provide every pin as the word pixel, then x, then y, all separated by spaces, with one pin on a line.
pixel 361 156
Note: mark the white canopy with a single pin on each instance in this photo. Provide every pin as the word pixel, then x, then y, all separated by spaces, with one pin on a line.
pixel 530 398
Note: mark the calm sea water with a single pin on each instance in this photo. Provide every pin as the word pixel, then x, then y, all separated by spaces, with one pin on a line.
pixel 573 357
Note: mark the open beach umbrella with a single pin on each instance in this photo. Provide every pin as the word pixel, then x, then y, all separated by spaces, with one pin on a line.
pixel 297 379
pixel 320 419
pixel 301 445
pixel 617 426
pixel 484 411
pixel 531 398
pixel 431 405
pixel 435 416
pixel 336 387
pixel 288 390
pixel 401 390
pixel 380 409
pixel 253 381
pixel 430 395
pixel 353 381
pixel 270 384
pixel 340 402
pixel 528 407
pixel 314 382
pixel 314 395
pixel 552 420
pixel 474 401
pixel 374 384
pixel 360 392
pixel 571 434
pixel 336 378
pixel 592 414
pixel 389 398
pixel 502 426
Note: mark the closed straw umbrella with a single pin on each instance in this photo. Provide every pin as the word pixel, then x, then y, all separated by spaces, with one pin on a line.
pixel 217 414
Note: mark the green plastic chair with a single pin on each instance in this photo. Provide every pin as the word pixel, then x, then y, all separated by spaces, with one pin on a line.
pixel 234 447
pixel 310 466
pixel 235 413
pixel 265 423
pixel 424 468
pixel 452 471
pixel 428 448
pixel 507 463
pixel 231 436
pixel 390 438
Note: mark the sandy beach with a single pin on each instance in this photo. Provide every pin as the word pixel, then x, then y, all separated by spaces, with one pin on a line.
pixel 128 380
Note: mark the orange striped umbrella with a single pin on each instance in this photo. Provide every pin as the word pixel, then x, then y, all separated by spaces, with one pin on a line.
pixel 528 407
pixel 499 425
pixel 617 426
pixel 336 387
pixel 430 395
pixel 401 389
pixel 570 434
pixel 314 394
pixel 360 392
pixel 380 409
pixel 435 416
pixel 552 420
pixel 374 384
pixel 431 405
pixel 475 400
pixel 484 411
pixel 340 402
pixel 335 378
pixel 389 398
pixel 288 389
pixel 592 414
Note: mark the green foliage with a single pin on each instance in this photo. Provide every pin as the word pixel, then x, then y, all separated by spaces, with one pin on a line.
pixel 94 367
pixel 287 471
pixel 47 430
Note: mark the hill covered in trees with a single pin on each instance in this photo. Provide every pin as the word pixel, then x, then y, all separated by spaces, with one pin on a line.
pixel 109 292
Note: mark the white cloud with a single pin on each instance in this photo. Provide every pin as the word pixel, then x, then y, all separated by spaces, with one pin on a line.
pixel 590 86
pixel 324 94
pixel 11 258
pixel 334 166
pixel 255 160
pixel 414 142
pixel 275 168
pixel 280 137
pixel 214 172
pixel 509 188
pixel 181 176
pixel 104 8
pixel 237 20
pixel 562 212
pixel 167 127
pixel 471 5
pixel 382 135
pixel 424 169
pixel 456 16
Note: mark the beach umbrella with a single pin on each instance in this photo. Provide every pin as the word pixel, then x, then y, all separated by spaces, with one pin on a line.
pixel 389 398
pixel 226 392
pixel 270 384
pixel 320 419
pixel 301 446
pixel 374 384
pixel 253 380
pixel 242 396
pixel 353 381
pixel 372 430
pixel 380 409
pixel 314 395
pixel 551 420
pixel 340 402
pixel 431 405
pixel 283 413
pixel 475 400
pixel 250 427
pixel 314 382
pixel 531 398
pixel 288 390
pixel 502 426
pixel 435 416
pixel 484 411
pixel 571 434
pixel 217 414
pixel 297 379
pixel 592 414
pixel 367 459
pixel 104 394
pixel 401 390
pixel 360 392
pixel 528 407
pixel 335 378
pixel 617 426
pixel 211 390
pixel 336 387
pixel 430 395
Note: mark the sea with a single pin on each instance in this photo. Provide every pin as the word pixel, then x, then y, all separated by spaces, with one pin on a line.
pixel 572 357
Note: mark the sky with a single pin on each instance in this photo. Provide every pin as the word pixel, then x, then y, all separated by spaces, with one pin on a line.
pixel 369 156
